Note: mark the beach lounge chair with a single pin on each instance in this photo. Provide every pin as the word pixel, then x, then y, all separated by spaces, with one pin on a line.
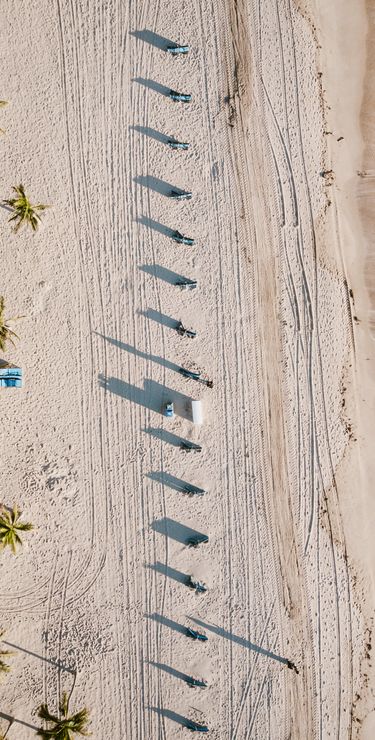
pixel 196 727
pixel 196 682
pixel 189 373
pixel 178 144
pixel 185 332
pixel 196 635
pixel 181 239
pixel 180 97
pixel 187 284
pixel 193 491
pixel 197 586
pixel 180 195
pixel 174 50
pixel 11 377
pixel 198 539
pixel 190 446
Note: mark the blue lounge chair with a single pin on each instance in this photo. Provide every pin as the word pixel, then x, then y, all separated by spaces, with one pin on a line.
pixel 181 239
pixel 180 195
pixel 178 144
pixel 180 97
pixel 11 377
pixel 178 49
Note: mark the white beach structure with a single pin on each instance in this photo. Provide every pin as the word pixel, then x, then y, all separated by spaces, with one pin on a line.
pixel 196 412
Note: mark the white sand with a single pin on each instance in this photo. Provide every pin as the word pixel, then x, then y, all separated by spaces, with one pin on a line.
pixel 86 452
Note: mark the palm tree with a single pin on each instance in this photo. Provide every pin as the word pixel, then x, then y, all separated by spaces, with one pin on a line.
pixel 6 333
pixel 10 525
pixel 65 727
pixel 4 667
pixel 24 211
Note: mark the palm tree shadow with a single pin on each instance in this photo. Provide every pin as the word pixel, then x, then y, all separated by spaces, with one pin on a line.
pixel 11 720
pixel 152 38
pixel 56 664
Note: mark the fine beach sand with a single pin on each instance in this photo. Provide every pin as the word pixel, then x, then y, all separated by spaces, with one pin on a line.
pixel 284 313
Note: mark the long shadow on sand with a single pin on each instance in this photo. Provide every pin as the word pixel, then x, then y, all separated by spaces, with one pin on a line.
pixel 174 530
pixel 152 38
pixel 155 226
pixel 11 720
pixel 168 572
pixel 172 671
pixel 155 184
pixel 153 85
pixel 154 396
pixel 240 640
pixel 168 714
pixel 138 353
pixel 162 273
pixel 153 134
pixel 160 318
pixel 167 623
pixel 167 437
pixel 55 663
pixel 169 480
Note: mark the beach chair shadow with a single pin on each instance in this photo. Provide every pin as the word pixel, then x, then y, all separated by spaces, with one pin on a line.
pixel 153 134
pixel 177 484
pixel 168 572
pixel 174 530
pixel 171 671
pixel 155 184
pixel 165 622
pixel 168 714
pixel 165 436
pixel 150 223
pixel 160 318
pixel 153 396
pixel 152 38
pixel 153 85
pixel 162 273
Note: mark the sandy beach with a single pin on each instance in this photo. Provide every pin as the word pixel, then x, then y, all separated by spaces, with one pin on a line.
pixel 280 165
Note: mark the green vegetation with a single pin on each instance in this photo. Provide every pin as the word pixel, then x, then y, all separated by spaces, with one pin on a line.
pixel 24 211
pixel 3 103
pixel 4 667
pixel 6 333
pixel 10 525
pixel 65 727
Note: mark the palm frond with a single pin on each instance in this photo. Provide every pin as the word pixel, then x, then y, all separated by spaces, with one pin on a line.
pixel 25 212
pixel 64 704
pixel 10 525
pixel 44 713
